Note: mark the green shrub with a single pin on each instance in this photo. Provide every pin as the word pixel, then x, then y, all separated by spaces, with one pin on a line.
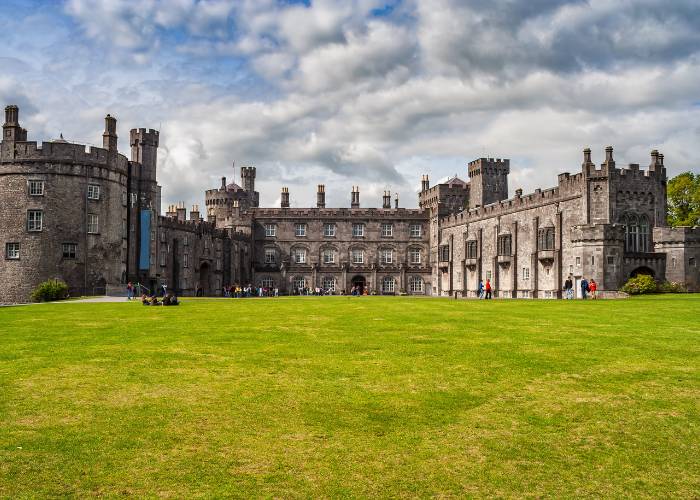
pixel 640 284
pixel 49 291
pixel 672 287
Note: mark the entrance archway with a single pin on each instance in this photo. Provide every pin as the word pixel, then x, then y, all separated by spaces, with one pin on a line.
pixel 642 270
pixel 204 276
pixel 360 283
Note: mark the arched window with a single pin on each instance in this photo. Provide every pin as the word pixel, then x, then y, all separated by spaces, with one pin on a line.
pixel 636 233
pixel 643 236
pixel 388 284
pixel 299 283
pixel 415 284
pixel 328 283
pixel 545 238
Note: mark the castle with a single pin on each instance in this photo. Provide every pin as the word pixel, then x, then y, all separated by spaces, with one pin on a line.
pixel 92 217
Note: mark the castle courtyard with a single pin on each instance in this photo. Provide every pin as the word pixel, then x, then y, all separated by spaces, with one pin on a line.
pixel 351 397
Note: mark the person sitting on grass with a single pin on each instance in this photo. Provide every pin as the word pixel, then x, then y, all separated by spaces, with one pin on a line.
pixel 154 300
pixel 145 300
pixel 166 299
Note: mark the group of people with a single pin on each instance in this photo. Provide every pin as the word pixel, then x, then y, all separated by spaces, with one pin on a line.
pixel 238 291
pixel 358 290
pixel 484 291
pixel 588 288
pixel 169 300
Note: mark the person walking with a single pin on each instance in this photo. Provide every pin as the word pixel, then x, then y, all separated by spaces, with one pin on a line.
pixel 480 290
pixel 593 288
pixel 584 288
pixel 129 291
pixel 569 288
pixel 487 287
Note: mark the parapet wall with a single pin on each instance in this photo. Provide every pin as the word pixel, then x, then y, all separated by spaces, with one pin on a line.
pixel 351 213
pixel 64 152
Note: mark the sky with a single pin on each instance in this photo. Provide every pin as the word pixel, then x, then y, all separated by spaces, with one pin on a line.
pixel 371 93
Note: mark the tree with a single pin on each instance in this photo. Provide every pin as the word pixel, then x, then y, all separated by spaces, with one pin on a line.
pixel 684 200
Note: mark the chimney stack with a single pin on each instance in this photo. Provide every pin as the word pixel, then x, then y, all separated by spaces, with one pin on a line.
pixel 321 196
pixel 386 199
pixel 587 156
pixel 425 183
pixel 171 212
pixel 396 200
pixel 194 213
pixel 518 192
pixel 284 198
pixel 609 161
pixel 109 137
pixel 223 183
pixel 355 197
pixel 181 212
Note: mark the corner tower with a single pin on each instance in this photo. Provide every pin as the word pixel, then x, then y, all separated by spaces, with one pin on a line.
pixel 488 181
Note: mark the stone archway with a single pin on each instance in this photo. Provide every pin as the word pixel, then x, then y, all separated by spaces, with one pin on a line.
pixel 360 283
pixel 642 270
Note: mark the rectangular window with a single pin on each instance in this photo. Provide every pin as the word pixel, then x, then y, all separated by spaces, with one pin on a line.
pixel 134 199
pixel 593 260
pixel 414 255
pixel 545 238
pixel 358 256
pixel 488 275
pixel 504 245
pixel 358 230
pixel 35 220
pixel 93 192
pixel 328 256
pixel 673 262
pixel 12 251
pixel 299 230
pixel 125 198
pixel 186 241
pixel 36 188
pixel 163 256
pixel 270 230
pixel 185 261
pixel 444 253
pixel 416 231
pixel 526 273
pixel 415 284
pixel 387 256
pixel 93 224
pixel 578 261
pixel 299 255
pixel 387 230
pixel 611 260
pixel 472 249
pixel 69 250
pixel 218 264
pixel 691 262
pixel 329 230
pixel 270 256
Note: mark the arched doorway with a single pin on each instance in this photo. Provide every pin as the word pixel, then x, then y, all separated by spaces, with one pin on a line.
pixel 359 283
pixel 204 275
pixel 642 270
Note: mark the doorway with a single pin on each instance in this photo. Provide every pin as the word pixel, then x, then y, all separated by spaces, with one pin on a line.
pixel 360 283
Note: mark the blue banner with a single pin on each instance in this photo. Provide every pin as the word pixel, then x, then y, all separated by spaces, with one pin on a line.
pixel 145 248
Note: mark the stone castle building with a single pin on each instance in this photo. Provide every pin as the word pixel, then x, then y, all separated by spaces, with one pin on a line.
pixel 92 217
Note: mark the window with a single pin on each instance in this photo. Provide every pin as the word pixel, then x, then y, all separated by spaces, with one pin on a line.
pixel 357 255
pixel 163 257
pixel 218 264
pixel 504 245
pixel 415 284
pixel 416 230
pixel 571 269
pixel 472 249
pixel 578 261
pixel 35 220
pixel 636 233
pixel 93 224
pixel 267 282
pixel 611 260
pixel 691 261
pixel 270 230
pixel 69 250
pixel 93 192
pixel 358 230
pixel 593 260
pixel 134 199
pixel 414 255
pixel 387 230
pixel 526 273
pixel 328 256
pixel 185 241
pixel 444 253
pixel 328 283
pixel 36 188
pixel 125 198
pixel 488 275
pixel 299 230
pixel 270 256
pixel 386 256
pixel 329 230
pixel 388 284
pixel 545 238
pixel 12 251
pixel 673 262
pixel 299 283
pixel 299 255
pixel 163 237
pixel 186 261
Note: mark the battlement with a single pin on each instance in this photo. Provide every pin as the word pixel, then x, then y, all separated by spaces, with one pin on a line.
pixel 677 235
pixel 65 153
pixel 339 213
pixel 148 137
pixel 492 166
pixel 598 232
pixel 656 171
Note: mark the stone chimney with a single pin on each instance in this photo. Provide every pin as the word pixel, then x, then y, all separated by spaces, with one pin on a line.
pixel 171 212
pixel 396 200
pixel 518 192
pixel 181 212
pixel 321 196
pixel 109 137
pixel 609 160
pixel 284 198
pixel 194 213
pixel 386 199
pixel 587 157
pixel 424 183
pixel 355 197
pixel 223 183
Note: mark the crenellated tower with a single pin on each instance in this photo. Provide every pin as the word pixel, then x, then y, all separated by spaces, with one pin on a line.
pixel 488 181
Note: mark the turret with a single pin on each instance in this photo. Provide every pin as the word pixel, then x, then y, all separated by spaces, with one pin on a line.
pixel 355 197
pixel 386 199
pixel 11 130
pixel 248 179
pixel 488 181
pixel 284 198
pixel 109 137
pixel 144 150
pixel 321 196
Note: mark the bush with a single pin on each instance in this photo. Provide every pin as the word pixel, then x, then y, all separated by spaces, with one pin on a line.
pixel 640 284
pixel 672 287
pixel 49 291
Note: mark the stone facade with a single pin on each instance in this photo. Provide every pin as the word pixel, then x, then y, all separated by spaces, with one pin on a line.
pixel 91 217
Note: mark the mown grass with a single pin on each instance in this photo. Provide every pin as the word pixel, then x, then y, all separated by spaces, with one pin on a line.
pixel 356 397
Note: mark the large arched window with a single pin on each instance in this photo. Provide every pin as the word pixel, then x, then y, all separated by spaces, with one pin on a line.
pixel 388 284
pixel 643 237
pixel 636 232
pixel 415 284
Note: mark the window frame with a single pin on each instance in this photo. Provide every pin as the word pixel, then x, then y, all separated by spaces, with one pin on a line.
pixel 412 251
pixel 299 255
pixel 300 229
pixel 357 251
pixel 30 183
pixel 94 192
pixel 93 224
pixel 270 256
pixel 66 251
pixel 358 230
pixel 270 230
pixel 329 226
pixel 32 223
pixel 324 253
pixel 419 231
pixel 388 280
pixel 14 255
pixel 386 256
pixel 387 230
pixel 412 282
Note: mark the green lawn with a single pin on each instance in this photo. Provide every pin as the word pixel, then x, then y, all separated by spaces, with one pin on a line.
pixel 361 396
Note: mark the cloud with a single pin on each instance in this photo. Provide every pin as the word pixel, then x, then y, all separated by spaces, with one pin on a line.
pixel 352 93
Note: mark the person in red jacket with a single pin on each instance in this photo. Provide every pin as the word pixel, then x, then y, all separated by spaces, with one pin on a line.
pixel 487 288
pixel 592 287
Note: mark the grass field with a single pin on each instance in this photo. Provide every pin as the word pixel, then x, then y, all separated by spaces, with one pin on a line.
pixel 358 397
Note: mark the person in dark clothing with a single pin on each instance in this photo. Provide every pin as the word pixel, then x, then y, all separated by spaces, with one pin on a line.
pixel 569 288
pixel 584 288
